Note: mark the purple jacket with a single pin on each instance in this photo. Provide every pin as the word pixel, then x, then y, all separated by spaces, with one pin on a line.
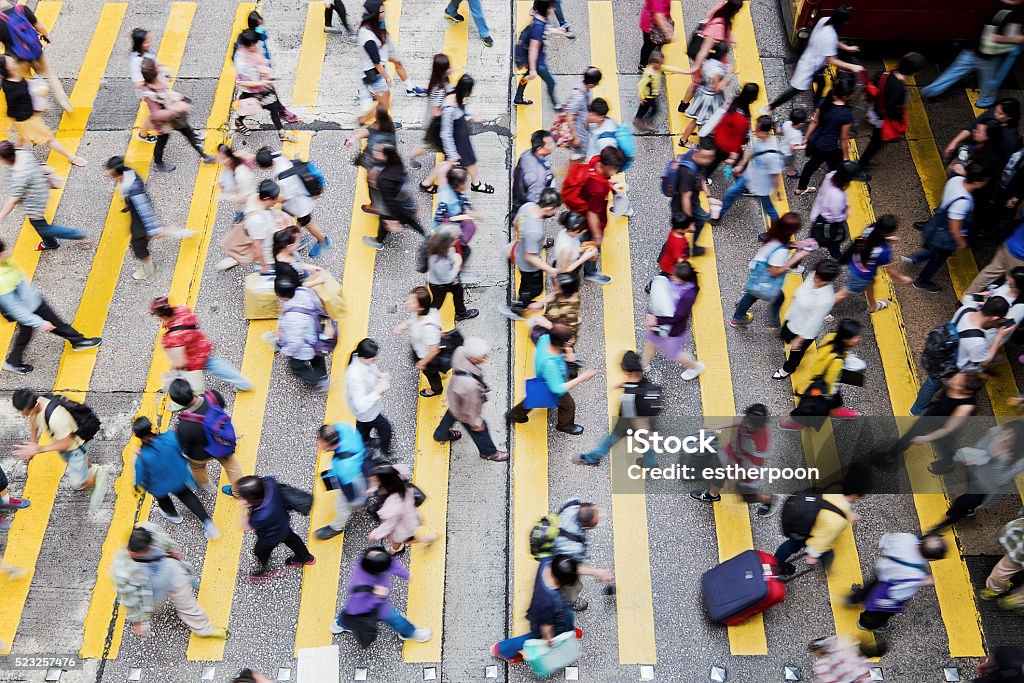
pixel 362 602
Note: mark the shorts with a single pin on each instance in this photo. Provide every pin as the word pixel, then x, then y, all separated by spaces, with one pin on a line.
pixel 788 160
pixel 33 130
pixel 856 283
pixel 368 91
pixel 77 462
pixel 303 221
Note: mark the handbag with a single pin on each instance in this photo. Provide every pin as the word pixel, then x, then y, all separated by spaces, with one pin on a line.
pixel 696 40
pixel 538 395
pixel 762 284
pixel 237 244
pixel 362 626
pixel 374 501
pixel 561 130
pixel 247 106
pixel 328 289
pixel 658 37
pixel 545 661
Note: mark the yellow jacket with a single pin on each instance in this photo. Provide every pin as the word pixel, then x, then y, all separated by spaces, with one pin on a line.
pixel 652 79
pixel 828 525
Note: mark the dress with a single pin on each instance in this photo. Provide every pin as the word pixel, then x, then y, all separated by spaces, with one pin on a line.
pixel 706 101
pixel 455 135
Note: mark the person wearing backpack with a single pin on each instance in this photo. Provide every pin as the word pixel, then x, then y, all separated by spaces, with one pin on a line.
pixel 900 571
pixel 349 463
pixel 23 34
pixel 970 350
pixel 398 516
pixel 467 393
pixel 641 401
pixel 22 302
pixel 946 231
pixel 576 519
pixel 868 253
pixel 267 515
pixel 768 271
pixel 527 251
pixel 187 348
pixel 821 397
pixel 683 182
pixel 161 471
pixel 888 111
pixel 668 319
pixel 601 128
pixel 301 333
pixel 369 587
pixel 297 200
pixel 806 314
pixel 585 191
pixel 759 172
pixel 814 520
pixel 58 424
pixel 205 433
pixel 529 54
pixel 150 571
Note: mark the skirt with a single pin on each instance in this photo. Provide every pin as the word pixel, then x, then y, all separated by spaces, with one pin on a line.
pixel 33 130
pixel 704 104
pixel 670 347
pixel 464 146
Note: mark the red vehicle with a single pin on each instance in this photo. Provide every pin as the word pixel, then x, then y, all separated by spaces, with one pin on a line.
pixel 910 20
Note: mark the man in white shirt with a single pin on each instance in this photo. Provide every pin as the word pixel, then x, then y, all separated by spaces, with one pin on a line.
pixel 806 314
pixel 297 201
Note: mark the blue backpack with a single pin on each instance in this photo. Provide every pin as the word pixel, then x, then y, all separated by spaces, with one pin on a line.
pixel 220 433
pixel 670 177
pixel 309 173
pixel 624 141
pixel 24 38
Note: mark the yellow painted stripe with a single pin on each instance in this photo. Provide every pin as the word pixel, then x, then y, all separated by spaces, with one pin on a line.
pixel 952 582
pixel 184 289
pixel 427 564
pixel 530 455
pixel 634 602
pixel 819 446
pixel 46 471
pixel 961 265
pixel 732 517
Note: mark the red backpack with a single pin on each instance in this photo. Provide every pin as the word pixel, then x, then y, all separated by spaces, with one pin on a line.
pixel 575 182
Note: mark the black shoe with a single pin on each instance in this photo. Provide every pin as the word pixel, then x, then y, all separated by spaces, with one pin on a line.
pixel 87 343
pixel 326 533
pixel 704 496
pixel 548 243
pixel 919 225
pixel 488 41
pixel 454 18
pixel 509 419
pixel 468 315
pixel 697 251
pixel 21 369
pixel 787 569
pixel 929 287
pixel 523 102
pixel 575 430
pixel 164 167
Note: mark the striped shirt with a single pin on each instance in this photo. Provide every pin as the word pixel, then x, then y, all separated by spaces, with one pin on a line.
pixel 26 181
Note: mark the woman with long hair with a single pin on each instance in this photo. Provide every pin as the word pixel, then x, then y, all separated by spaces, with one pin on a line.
pixel 733 129
pixel 768 270
pixel 399 519
pixel 832 207
pixel 29 127
pixel 256 82
pixel 424 329
pixel 444 263
pixel 236 181
pixel 827 371
pixel 868 253
pixel 668 319
pixel 827 139
pixel 458 147
pixel 710 96
pixel 397 208
pixel 438 88
pixel 717 29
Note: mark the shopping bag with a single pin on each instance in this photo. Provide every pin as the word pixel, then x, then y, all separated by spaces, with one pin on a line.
pixel 260 300
pixel 546 661
pixel 538 395
pixel 328 289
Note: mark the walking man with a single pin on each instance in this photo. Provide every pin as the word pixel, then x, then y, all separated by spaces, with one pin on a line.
pixel 197 443
pixel 346 473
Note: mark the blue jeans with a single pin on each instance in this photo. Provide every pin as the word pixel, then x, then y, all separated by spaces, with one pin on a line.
pixel 966 62
pixel 1005 67
pixel 700 217
pixel 50 233
pixel 928 389
pixel 513 646
pixel 591 267
pixel 559 15
pixel 601 450
pixel 227 372
pixel 791 547
pixel 476 8
pixel 545 75
pixel 392 617
pixel 934 257
pixel 749 300
pixel 736 190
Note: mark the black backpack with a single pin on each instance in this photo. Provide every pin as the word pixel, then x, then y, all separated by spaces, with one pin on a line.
pixel 800 511
pixel 942 345
pixel 647 399
pixel 829 234
pixel 296 500
pixel 450 340
pixel 86 422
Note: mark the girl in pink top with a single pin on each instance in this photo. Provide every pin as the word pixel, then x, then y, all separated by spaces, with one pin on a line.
pixel 717 28
pixel 398 516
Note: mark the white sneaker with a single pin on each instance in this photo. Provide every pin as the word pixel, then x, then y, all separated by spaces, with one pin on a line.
pixel 173 519
pixel 226 263
pixel 210 530
pixel 182 234
pixel 420 635
pixel 693 373
pixel 99 487
pixel 271 339
pixel 144 273
pixel 335 629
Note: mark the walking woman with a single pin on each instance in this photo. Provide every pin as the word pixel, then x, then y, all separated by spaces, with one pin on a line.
pixel 656 27
pixel 710 96
pixel 142 48
pixel 380 132
pixel 424 329
pixel 444 264
pixel 376 48
pixel 161 472
pixel 828 368
pixel 768 270
pixel 390 182
pixel 398 516
pixel 869 252
pixel 668 319
pixel 828 137
pixel 455 134
pixel 255 80
pixel 332 7
pixel 168 111
pixel 732 130
pixel 438 88
pixel 807 314
pixel 29 127
pixel 365 385
pixel 236 180
pixel 831 209
pixel 267 515
pixel 717 29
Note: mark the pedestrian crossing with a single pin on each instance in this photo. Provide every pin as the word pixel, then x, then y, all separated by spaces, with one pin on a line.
pixel 635 609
